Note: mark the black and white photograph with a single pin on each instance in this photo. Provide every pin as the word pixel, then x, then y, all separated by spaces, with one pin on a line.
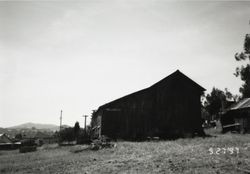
pixel 124 86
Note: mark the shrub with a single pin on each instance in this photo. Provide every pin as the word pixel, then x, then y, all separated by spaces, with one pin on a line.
pixel 24 149
pixel 28 142
pixel 83 137
pixel 67 135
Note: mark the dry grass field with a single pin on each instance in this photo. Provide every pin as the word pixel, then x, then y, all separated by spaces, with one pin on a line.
pixel 197 155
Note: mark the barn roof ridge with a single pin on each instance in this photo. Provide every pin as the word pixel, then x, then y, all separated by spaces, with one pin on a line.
pixel 178 72
pixel 154 85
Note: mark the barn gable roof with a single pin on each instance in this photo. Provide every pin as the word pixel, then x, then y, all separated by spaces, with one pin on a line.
pixel 167 80
pixel 179 75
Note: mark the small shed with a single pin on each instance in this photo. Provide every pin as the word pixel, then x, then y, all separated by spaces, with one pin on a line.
pixel 237 117
pixel 6 143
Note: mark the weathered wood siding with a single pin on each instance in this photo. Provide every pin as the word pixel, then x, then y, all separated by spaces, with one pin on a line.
pixel 178 110
pixel 128 118
pixel 240 116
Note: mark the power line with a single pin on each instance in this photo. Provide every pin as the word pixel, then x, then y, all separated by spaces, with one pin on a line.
pixel 85 123
pixel 61 120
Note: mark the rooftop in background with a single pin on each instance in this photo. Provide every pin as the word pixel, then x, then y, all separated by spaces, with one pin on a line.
pixel 4 139
pixel 242 104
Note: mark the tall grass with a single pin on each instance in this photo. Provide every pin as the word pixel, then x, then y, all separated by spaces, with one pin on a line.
pixel 190 155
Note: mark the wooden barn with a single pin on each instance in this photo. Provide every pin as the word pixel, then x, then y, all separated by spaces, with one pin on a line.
pixel 237 117
pixel 168 109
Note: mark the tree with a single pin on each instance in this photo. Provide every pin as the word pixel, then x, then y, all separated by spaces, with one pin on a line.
pixel 92 116
pixel 76 130
pixel 244 71
pixel 18 136
pixel 216 101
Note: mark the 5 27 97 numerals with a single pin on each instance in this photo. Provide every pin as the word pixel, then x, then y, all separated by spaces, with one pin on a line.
pixel 224 150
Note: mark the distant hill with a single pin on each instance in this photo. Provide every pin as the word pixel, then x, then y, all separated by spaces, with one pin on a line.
pixel 50 127
pixel 30 129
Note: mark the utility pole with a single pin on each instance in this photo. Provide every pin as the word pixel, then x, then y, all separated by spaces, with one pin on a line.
pixel 61 121
pixel 85 124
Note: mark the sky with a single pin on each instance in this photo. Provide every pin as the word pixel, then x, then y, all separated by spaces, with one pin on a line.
pixel 78 55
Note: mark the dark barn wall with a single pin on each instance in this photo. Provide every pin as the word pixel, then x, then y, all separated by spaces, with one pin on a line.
pixel 128 118
pixel 178 112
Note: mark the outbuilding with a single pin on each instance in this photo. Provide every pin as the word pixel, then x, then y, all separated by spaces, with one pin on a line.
pixel 237 117
pixel 6 143
pixel 5 139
